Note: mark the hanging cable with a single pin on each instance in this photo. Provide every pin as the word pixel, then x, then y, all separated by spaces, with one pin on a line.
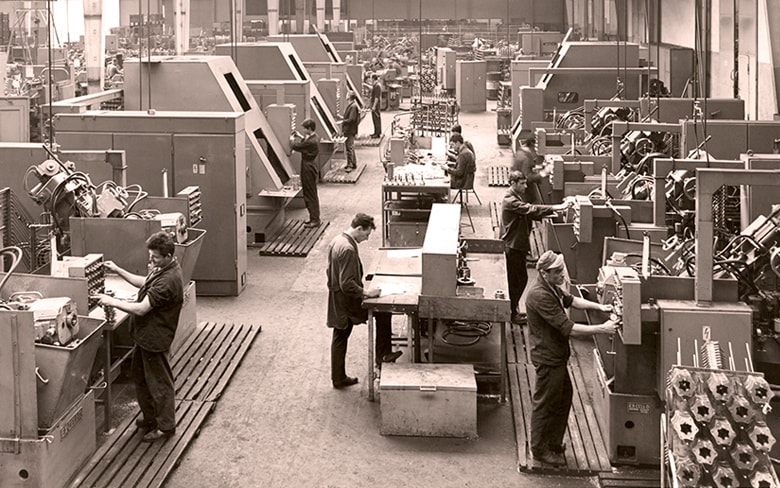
pixel 50 74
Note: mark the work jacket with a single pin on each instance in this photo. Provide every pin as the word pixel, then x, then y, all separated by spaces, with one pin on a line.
pixel 345 283
pixel 462 175
pixel 308 146
pixel 349 126
pixel 155 330
pixel 516 216
pixel 548 323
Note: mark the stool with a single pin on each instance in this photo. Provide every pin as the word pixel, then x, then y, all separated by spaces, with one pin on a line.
pixel 464 203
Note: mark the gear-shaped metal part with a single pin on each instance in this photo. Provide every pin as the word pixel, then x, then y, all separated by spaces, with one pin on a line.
pixel 684 426
pixel 702 409
pixel 758 390
pixel 741 410
pixel 743 456
pixel 705 452
pixel 683 382
pixel 724 477
pixel 761 437
pixel 722 431
pixel 762 479
pixel 688 472
pixel 720 387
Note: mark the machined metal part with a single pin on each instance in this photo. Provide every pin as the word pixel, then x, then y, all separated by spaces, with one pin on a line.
pixel 724 477
pixel 758 390
pixel 761 479
pixel 684 426
pixel 761 437
pixel 722 431
pixel 683 383
pixel 741 410
pixel 688 472
pixel 702 409
pixel 720 387
pixel 704 451
pixel 743 456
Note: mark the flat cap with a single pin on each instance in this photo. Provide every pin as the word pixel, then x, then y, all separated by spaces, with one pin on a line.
pixel 549 260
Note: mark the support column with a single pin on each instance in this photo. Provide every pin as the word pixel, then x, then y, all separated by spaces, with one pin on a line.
pixel 300 16
pixel 598 19
pixel 321 15
pixel 181 25
pixel 273 17
pixel 337 15
pixel 94 44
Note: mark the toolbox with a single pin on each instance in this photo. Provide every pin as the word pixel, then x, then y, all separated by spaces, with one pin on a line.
pixel 428 400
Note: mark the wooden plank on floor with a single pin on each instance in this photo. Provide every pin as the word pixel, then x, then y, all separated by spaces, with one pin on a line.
pixel 586 452
pixel 295 240
pixel 631 478
pixel 511 346
pixel 600 462
pixel 337 174
pixel 229 367
pixel 498 175
pixel 124 460
pixel 205 375
pixel 191 380
pixel 519 414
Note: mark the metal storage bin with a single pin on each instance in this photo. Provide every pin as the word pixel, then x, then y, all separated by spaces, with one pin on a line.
pixel 428 400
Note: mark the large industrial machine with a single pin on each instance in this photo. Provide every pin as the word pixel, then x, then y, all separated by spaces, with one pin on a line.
pixel 721 318
pixel 47 350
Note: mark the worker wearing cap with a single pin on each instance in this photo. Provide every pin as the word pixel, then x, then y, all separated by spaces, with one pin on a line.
pixel 516 217
pixel 550 329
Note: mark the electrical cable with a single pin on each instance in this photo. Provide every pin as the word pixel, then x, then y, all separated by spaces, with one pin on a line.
pixel 16 255
pixel 473 331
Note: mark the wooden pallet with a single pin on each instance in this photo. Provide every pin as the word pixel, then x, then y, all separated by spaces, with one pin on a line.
pixel 294 239
pixel 586 452
pixel 338 175
pixel 367 141
pixel 124 460
pixel 631 478
pixel 206 362
pixel 498 175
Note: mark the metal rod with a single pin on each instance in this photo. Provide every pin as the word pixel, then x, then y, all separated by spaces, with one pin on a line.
pixel 50 74
pixel 149 49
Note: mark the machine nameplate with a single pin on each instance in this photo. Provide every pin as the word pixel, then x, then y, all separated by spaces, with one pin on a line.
pixel 71 423
pixel 636 407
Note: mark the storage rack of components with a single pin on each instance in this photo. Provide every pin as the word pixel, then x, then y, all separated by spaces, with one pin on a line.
pixel 434 115
pixel 715 427
pixel 193 195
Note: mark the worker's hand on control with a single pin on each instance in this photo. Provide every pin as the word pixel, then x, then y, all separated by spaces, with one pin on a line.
pixel 372 293
pixel 103 300
pixel 111 266
pixel 605 307
pixel 609 327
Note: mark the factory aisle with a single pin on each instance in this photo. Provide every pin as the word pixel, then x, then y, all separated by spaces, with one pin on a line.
pixel 281 424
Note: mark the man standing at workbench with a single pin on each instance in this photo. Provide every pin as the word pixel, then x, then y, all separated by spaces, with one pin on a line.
pixel 154 317
pixel 376 98
pixel 345 300
pixel 516 217
pixel 550 329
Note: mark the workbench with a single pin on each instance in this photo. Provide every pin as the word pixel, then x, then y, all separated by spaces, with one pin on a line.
pixel 400 273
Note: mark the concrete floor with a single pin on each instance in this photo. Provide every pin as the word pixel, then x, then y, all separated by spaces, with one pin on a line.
pixel 280 423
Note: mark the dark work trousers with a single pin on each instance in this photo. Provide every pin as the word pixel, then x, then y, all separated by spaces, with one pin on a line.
pixel 516 276
pixel 349 148
pixel 338 353
pixel 551 405
pixel 384 334
pixel 376 117
pixel 153 380
pixel 309 177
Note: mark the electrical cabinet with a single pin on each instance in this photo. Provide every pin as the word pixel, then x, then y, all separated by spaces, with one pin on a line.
pixel 471 85
pixel 445 68
pixel 14 119
pixel 440 250
pixel 204 149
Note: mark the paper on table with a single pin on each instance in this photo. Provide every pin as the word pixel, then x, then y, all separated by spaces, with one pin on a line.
pixel 393 289
pixel 404 253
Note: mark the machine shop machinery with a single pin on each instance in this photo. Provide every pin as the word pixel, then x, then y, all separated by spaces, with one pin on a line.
pixel 47 350
pixel 726 312
pixel 326 68
pixel 577 71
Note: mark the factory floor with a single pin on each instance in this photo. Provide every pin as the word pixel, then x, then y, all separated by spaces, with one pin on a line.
pixel 281 424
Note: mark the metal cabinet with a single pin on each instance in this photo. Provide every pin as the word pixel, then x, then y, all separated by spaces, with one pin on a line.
pixel 405 211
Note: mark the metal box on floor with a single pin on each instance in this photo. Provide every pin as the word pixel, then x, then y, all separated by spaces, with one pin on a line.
pixel 428 400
